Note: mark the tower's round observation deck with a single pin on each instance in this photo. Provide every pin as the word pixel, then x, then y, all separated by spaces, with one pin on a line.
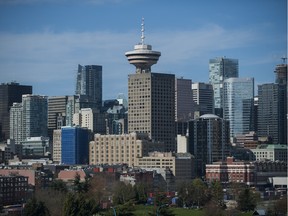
pixel 143 57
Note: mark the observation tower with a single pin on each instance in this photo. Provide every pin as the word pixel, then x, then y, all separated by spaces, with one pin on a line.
pixel 143 57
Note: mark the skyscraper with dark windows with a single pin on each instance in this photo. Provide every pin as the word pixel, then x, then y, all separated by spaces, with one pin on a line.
pixel 89 85
pixel 10 93
pixel 56 113
pixel 151 97
pixel 208 140
pixel 272 107
pixel 184 100
pixel 203 97
pixel 219 70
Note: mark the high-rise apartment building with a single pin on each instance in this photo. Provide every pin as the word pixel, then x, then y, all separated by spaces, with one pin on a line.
pixel 208 140
pixel 35 115
pixel 74 145
pixel 185 105
pixel 16 123
pixel 151 97
pixel 89 84
pixel 56 113
pixel 238 104
pixel 203 97
pixel 219 70
pixel 9 93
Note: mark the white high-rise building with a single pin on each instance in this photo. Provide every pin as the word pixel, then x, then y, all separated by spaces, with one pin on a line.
pixel 16 125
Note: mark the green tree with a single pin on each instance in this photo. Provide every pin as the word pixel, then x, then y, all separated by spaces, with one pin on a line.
pixel 126 209
pixel 247 200
pixel 35 208
pixel 199 192
pixel 81 187
pixel 141 193
pixel 78 205
pixel 185 193
pixel 217 194
pixel 123 193
pixel 59 185
pixel 53 200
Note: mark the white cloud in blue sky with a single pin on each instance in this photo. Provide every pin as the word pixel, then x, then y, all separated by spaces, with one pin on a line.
pixel 44 48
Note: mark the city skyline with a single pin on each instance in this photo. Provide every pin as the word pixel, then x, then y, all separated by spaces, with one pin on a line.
pixel 42 42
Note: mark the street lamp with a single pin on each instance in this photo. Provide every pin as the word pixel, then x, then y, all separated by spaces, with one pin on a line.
pixel 114 211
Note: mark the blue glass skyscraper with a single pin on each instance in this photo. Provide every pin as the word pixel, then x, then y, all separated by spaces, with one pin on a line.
pixel 219 70
pixel 238 104
pixel 75 145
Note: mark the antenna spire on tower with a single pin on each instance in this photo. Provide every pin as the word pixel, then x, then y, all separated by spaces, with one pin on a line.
pixel 142 31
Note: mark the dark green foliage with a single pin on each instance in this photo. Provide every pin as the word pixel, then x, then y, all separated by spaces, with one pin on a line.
pixel 123 193
pixel 77 205
pixel 59 185
pixel 35 208
pixel 217 194
pixel 141 192
pixel 81 187
pixel 125 209
pixel 247 200
pixel 200 194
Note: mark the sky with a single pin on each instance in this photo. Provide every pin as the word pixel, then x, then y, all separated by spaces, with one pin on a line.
pixel 43 41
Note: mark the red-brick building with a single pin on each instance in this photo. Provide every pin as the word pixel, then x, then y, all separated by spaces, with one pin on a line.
pixel 231 171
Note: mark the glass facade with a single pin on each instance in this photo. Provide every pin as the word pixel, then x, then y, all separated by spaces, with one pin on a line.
pixel 75 145
pixel 219 70
pixel 89 83
pixel 238 104
pixel 35 114
pixel 208 140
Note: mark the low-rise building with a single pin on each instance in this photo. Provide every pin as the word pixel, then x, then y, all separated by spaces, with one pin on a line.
pixel 117 149
pixel 231 171
pixel 13 189
pixel 270 152
pixel 35 147
pixel 248 172
pixel 181 164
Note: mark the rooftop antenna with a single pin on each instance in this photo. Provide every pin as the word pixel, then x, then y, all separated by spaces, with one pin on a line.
pixel 284 58
pixel 142 31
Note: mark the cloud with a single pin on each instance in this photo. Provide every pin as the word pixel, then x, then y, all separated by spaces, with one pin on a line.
pixel 29 2
pixel 44 57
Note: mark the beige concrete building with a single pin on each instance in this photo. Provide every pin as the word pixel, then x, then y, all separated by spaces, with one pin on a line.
pixel 125 148
pixel 84 118
pixel 181 164
pixel 151 107
pixel 57 146
pixel 151 97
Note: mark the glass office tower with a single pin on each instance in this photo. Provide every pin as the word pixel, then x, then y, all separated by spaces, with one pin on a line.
pixel 89 85
pixel 74 145
pixel 10 93
pixel 238 104
pixel 219 70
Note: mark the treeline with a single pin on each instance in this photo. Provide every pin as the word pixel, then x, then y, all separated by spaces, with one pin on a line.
pixel 89 198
